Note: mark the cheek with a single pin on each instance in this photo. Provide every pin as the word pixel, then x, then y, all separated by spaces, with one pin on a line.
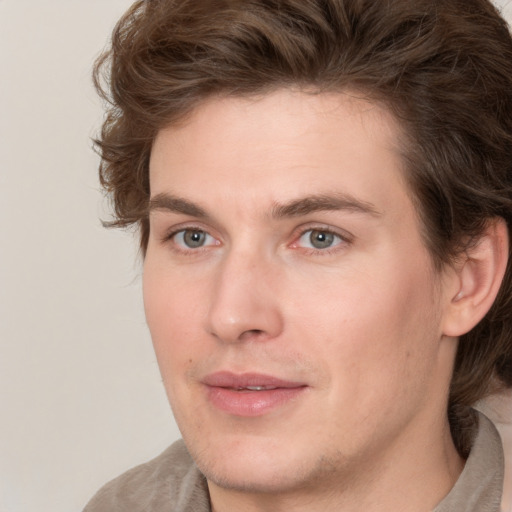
pixel 374 327
pixel 172 311
pixel 170 308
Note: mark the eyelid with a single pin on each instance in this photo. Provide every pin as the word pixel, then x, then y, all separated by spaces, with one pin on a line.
pixel 170 233
pixel 345 238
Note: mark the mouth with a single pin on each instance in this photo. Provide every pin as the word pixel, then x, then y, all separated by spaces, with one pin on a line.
pixel 250 394
pixel 253 388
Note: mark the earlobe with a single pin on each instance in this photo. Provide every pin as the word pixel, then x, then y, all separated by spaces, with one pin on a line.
pixel 478 277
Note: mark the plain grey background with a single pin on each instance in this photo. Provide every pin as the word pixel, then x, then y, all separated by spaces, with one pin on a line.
pixel 80 393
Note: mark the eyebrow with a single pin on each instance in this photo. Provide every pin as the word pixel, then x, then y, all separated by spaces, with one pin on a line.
pixel 175 204
pixel 296 208
pixel 324 202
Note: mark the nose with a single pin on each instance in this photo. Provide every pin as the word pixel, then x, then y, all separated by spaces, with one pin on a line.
pixel 244 303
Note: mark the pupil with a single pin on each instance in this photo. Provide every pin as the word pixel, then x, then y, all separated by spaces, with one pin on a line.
pixel 321 239
pixel 194 238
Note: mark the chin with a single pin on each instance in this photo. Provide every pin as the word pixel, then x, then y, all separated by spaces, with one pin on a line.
pixel 244 477
pixel 261 466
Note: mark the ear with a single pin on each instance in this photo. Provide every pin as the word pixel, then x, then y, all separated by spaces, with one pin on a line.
pixel 476 279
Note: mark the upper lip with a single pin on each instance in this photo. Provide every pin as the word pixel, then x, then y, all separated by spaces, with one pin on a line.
pixel 226 379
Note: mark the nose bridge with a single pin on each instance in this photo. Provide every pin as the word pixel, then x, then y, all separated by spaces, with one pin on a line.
pixel 243 301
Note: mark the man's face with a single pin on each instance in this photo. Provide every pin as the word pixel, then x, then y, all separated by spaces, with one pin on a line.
pixel 294 311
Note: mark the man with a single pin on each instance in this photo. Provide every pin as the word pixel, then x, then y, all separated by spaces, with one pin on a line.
pixel 323 191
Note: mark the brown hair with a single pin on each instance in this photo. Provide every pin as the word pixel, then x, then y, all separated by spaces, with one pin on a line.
pixel 442 67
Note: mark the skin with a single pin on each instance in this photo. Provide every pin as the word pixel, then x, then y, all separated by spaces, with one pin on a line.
pixel 360 322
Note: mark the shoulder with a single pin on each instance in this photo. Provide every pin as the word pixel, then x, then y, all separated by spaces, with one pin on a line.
pixel 169 482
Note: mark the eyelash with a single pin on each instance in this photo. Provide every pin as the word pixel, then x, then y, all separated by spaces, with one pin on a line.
pixel 169 236
pixel 343 240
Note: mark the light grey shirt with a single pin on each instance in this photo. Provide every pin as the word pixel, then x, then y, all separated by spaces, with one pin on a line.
pixel 480 485
pixel 172 483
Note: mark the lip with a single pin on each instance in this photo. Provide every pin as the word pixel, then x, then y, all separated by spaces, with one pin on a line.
pixel 228 392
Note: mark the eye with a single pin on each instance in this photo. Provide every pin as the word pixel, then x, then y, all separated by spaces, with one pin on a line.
pixel 193 239
pixel 319 239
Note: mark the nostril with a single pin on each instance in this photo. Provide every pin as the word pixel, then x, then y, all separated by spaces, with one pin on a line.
pixel 252 333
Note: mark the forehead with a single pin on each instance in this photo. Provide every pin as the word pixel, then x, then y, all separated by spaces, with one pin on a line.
pixel 277 147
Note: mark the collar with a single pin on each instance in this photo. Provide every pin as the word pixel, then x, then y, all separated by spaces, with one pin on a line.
pixel 480 485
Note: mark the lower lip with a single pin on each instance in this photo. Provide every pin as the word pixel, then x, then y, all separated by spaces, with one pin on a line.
pixel 251 403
